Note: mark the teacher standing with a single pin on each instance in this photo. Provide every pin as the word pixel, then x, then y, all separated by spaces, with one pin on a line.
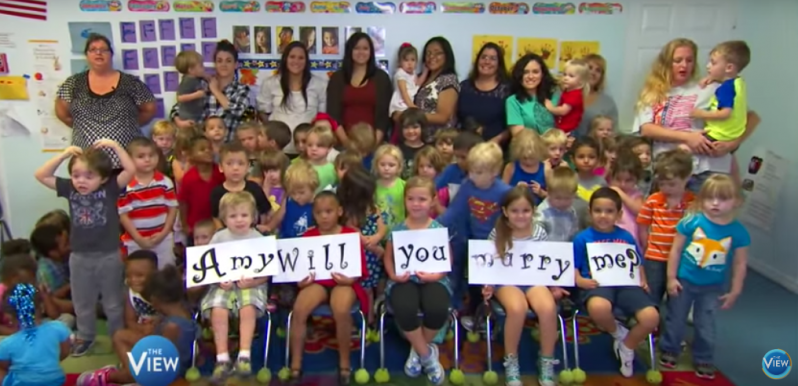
pixel 103 102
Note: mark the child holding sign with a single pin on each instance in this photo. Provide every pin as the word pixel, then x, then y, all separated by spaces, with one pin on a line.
pixel 515 224
pixel 706 244
pixel 605 211
pixel 341 292
pixel 428 293
pixel 246 297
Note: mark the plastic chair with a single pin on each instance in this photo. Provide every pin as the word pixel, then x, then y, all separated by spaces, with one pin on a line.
pixel 490 377
pixel 456 375
pixel 653 376
pixel 361 375
pixel 264 375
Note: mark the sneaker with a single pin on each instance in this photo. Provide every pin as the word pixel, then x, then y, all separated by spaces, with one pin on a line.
pixel 221 372
pixel 621 332
pixel 546 372
pixel 627 358
pixel 668 360
pixel 705 371
pixel 243 367
pixel 81 347
pixel 470 324
pixel 433 367
pixel 512 370
pixel 413 364
pixel 95 377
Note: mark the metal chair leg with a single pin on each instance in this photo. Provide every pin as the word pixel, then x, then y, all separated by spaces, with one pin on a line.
pixel 489 336
pixel 195 346
pixel 363 339
pixel 382 338
pixel 652 354
pixel 456 340
pixel 576 339
pixel 267 341
pixel 288 340
pixel 563 337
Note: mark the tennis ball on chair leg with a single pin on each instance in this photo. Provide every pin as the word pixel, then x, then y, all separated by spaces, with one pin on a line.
pixel 579 376
pixel 490 378
pixel 566 377
pixel 456 377
pixel 362 376
pixel 653 377
pixel 193 374
pixel 382 376
pixel 472 337
pixel 264 376
pixel 284 374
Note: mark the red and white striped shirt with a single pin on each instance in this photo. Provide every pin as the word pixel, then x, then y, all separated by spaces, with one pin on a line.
pixel 147 206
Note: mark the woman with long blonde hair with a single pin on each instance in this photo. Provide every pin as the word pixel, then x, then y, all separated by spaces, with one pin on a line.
pixel 670 93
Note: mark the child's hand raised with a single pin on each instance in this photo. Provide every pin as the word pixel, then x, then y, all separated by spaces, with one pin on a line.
pixel 73 151
pixel 226 285
pixel 105 142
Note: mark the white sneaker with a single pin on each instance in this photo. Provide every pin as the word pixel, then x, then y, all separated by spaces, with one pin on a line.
pixel 621 332
pixel 433 367
pixel 627 358
pixel 413 364
pixel 467 322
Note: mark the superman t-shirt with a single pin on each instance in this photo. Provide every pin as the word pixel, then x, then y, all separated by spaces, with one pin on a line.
pixel 709 248
pixel 478 208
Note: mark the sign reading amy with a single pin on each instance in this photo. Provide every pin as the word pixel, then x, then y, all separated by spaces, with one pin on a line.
pixel 231 261
pixel 614 264
pixel 532 263
pixel 322 255
pixel 425 250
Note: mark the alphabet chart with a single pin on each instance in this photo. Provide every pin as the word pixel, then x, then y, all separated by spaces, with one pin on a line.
pixel 321 255
pixel 534 263
pixel 231 261
pixel 614 264
pixel 425 250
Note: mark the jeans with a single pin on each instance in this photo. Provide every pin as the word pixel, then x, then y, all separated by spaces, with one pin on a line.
pixel 705 302
pixel 657 279
pixel 694 185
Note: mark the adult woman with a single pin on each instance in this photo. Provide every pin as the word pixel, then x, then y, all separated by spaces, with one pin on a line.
pixel 597 102
pixel 482 95
pixel 103 102
pixel 532 85
pixel 437 97
pixel 226 96
pixel 359 92
pixel 666 102
pixel 293 95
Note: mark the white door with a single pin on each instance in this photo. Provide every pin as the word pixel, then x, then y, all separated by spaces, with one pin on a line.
pixel 653 23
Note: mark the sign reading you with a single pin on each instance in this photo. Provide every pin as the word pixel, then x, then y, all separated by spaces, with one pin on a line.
pixel 321 255
pixel 231 261
pixel 614 264
pixel 532 263
pixel 424 250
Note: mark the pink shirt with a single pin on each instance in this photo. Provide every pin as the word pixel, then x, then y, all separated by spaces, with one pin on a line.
pixel 628 220
pixel 443 198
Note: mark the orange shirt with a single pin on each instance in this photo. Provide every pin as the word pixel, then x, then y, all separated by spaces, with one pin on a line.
pixel 660 220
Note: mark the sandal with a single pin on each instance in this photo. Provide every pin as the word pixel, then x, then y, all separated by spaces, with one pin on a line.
pixel 344 377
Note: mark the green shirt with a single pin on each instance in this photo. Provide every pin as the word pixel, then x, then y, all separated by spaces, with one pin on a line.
pixel 391 200
pixel 530 113
pixel 327 176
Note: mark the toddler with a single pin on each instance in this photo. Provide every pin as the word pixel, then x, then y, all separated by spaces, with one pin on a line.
pixel 247 134
pixel 300 138
pixel 51 244
pixel 148 206
pixel 295 215
pixel 325 120
pixel 272 164
pixel 623 177
pixel 21 269
pixel 561 215
pixel 444 142
pixel 245 298
pixel 94 264
pixel 413 122
pixel 390 191
pixel 641 148
pixel 16 247
pixel 528 152
pixel 344 162
pixel 194 194
pixel 139 313
pixel 708 242
pixel 407 82
pixel 234 167
pixel 428 164
pixel 341 292
pixel 191 94
pixel 608 151
pixel 605 211
pixel 276 135
pixel 601 127
pixel 586 158
pixel 454 174
pixel 57 217
pixel 216 133
pixel 516 224
pixel 576 86
pixel 203 232
pixel 556 142
pixel 180 154
pixel 319 143
pixel 163 134
pixel 363 142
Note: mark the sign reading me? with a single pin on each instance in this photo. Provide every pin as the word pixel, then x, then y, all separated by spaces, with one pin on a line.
pixel 422 250
pixel 321 255
pixel 614 264
pixel 231 261
pixel 535 263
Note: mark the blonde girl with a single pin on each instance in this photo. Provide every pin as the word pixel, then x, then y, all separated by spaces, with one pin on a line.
pixel 515 224
pixel 387 166
pixel 575 86
pixel 709 241
pixel 557 144
pixel 407 82
pixel 528 152
pixel 428 163
pixel 601 127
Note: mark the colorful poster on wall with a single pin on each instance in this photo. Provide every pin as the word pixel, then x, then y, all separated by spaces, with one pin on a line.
pixel 546 48
pixel 600 8
pixel 505 42
pixel 576 50
pixel 764 175
pixel 48 75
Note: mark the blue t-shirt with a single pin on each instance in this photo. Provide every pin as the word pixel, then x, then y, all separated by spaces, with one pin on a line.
pixel 297 219
pixel 451 174
pixel 592 235
pixel 478 208
pixel 520 175
pixel 367 161
pixel 35 355
pixel 189 332
pixel 709 249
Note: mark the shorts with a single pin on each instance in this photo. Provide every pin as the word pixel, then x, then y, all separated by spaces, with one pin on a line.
pixel 630 299
pixel 709 137
pixel 234 299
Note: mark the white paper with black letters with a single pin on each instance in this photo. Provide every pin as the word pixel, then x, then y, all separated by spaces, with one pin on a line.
pixel 323 255
pixel 423 250
pixel 527 263
pixel 231 261
pixel 614 264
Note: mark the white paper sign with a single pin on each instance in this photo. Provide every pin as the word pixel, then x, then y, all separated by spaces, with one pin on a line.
pixel 231 261
pixel 614 264
pixel 322 255
pixel 423 250
pixel 534 263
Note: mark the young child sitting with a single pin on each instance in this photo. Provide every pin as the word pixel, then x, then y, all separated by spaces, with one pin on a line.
pixel 605 211
pixel 388 162
pixel 341 292
pixel 148 206
pixel 300 138
pixel 623 177
pixel 575 87
pixel 51 244
pixel 363 142
pixel 33 355
pixel 319 143
pixel 247 135
pixel 444 143
pixel 94 265
pixel 413 123
pixel 456 172
pixel 272 164
pixel 191 93
pixel 295 215
pixel 556 146
pixel 57 217
pixel 516 224
pixel 527 168
pixel 216 132
pixel 708 242
pixel 163 135
pixel 164 290
pixel 234 167
pixel 139 313
pixel 194 194
pixel 21 269
pixel 245 298
pixel 561 214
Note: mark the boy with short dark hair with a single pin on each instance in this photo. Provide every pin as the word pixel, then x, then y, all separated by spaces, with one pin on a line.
pixel 247 134
pixel 414 124
pixel 453 175
pixel 234 165
pixel 199 182
pixel 276 135
pixel 300 138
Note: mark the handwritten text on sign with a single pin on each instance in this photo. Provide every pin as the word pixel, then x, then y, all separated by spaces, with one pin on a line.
pixel 526 263
pixel 231 261
pixel 323 255
pixel 425 250
pixel 614 264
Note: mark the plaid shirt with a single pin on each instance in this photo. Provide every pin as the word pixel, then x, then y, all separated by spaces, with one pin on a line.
pixel 238 95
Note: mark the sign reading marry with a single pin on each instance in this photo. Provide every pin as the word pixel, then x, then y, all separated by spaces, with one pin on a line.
pixel 614 264
pixel 231 261
pixel 424 250
pixel 322 255
pixel 533 263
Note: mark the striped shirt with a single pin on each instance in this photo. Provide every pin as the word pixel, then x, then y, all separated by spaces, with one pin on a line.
pixel 660 220
pixel 147 206
pixel 538 234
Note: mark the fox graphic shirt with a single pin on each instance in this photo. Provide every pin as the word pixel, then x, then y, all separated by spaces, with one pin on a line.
pixel 709 248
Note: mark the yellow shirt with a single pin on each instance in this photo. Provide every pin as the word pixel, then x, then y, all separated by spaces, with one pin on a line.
pixel 731 94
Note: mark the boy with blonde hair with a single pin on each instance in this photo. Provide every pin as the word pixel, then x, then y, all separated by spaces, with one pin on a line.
pixel 319 144
pixel 561 214
pixel 557 145
pixel 191 91
pixel 296 211
pixel 246 298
